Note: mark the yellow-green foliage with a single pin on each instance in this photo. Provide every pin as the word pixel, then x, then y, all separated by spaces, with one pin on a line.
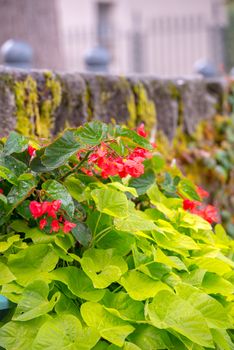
pixel 35 109
pixel 132 112
pixel 145 107
pixel 175 94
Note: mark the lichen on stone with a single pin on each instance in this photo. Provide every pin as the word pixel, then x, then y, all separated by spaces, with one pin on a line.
pixel 145 107
pixel 35 107
pixel 27 111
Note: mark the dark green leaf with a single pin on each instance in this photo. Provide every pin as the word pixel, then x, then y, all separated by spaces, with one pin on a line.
pixel 15 143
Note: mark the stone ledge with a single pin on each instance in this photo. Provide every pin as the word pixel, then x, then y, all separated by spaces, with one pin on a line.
pixel 44 102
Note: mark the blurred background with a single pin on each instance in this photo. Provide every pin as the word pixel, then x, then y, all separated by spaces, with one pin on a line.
pixel 160 37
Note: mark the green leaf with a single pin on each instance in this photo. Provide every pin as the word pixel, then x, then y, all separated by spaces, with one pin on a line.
pixel 81 233
pixel 5 245
pixel 147 337
pixel 122 306
pixel 140 286
pixel 109 326
pixel 20 335
pixel 212 265
pixel 56 190
pixel 214 284
pixel 168 311
pixel 92 133
pixel 6 275
pixel 59 151
pixel 34 302
pixel 15 143
pixel 103 266
pixel 21 191
pixel 111 202
pixel 120 241
pixel 119 186
pixel 132 137
pixel 214 313
pixel 65 332
pixel 77 282
pixel 29 264
pixel 188 190
pixel 143 183
pixel 76 188
pixel 8 175
pixel 135 221
pixel 13 164
pixel 222 339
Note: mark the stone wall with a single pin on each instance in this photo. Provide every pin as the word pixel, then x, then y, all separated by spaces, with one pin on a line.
pixel 43 102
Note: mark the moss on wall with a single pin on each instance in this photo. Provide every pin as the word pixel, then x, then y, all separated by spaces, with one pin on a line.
pixel 35 107
pixel 145 107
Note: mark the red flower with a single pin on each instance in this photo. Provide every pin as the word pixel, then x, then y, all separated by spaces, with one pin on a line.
pixel 201 192
pixel 53 207
pixel 210 214
pixel 86 171
pixel 55 226
pixel 31 151
pixel 141 130
pixel 133 168
pixel 42 223
pixel 190 205
pixel 1 190
pixel 68 226
pixel 36 209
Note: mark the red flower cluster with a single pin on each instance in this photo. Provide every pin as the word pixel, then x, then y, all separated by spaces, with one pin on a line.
pixel 207 212
pixel 105 162
pixel 1 190
pixel 50 209
pixel 109 164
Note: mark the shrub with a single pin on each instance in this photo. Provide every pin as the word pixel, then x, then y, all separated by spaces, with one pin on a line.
pixel 105 247
pixel 208 159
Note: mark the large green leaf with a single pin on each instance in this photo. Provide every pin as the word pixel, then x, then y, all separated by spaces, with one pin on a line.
pixel 15 143
pixel 169 311
pixel 78 283
pixel 59 151
pixel 65 332
pixel 121 305
pixel 119 240
pixel 56 190
pixel 214 313
pixel 16 335
pixel 150 338
pixel 109 326
pixel 135 221
pixel 34 302
pixel 111 202
pixel 103 266
pixel 29 264
pixel 140 286
pixel 92 133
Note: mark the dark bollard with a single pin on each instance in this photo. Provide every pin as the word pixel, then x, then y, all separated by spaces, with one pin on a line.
pixel 5 305
pixel 17 54
pixel 97 60
pixel 205 68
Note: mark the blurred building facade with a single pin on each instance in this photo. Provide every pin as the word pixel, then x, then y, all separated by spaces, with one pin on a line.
pixel 162 37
